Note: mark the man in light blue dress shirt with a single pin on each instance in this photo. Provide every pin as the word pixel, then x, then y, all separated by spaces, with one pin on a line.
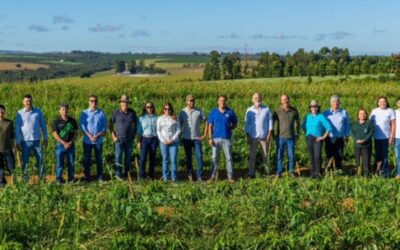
pixel 30 126
pixel 258 128
pixel 340 123
pixel 93 123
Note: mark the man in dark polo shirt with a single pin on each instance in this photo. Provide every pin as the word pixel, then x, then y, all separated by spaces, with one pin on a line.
pixel 288 128
pixel 65 130
pixel 122 125
pixel 6 143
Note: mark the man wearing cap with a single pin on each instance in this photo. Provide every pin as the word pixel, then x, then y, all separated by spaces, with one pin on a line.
pixel 287 119
pixel 6 144
pixel 258 128
pixel 122 125
pixel 190 120
pixel 93 122
pixel 30 126
pixel 340 122
pixel 65 130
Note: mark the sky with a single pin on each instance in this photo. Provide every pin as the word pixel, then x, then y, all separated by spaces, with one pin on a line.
pixel 158 26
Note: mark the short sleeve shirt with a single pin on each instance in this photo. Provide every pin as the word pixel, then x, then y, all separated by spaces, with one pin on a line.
pixel 65 128
pixel 222 122
pixel 124 123
pixel 190 121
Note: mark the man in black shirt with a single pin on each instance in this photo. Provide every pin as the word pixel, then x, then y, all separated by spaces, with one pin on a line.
pixel 6 143
pixel 122 126
pixel 65 130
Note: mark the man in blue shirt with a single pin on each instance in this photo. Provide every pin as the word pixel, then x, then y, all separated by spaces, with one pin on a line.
pixel 93 123
pixel 340 123
pixel 221 121
pixel 30 125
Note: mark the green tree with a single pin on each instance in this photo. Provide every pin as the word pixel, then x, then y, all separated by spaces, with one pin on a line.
pixel 119 66
pixel 212 69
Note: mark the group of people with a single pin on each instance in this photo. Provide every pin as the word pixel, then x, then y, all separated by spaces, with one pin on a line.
pixel 169 130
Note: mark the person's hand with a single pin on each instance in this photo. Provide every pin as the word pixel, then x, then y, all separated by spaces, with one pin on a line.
pixel 321 138
pixel 211 142
pixel 44 143
pixel 68 145
pixel 201 138
pixel 391 140
pixel 114 137
pixel 139 145
pixel 93 138
pixel 360 141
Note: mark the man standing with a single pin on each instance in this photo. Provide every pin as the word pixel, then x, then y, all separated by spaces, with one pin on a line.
pixel 65 130
pixel 125 121
pixel 190 119
pixel 288 126
pixel 93 123
pixel 258 128
pixel 340 122
pixel 30 125
pixel 221 121
pixel 6 144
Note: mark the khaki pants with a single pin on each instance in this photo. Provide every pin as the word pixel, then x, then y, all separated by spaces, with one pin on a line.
pixel 253 143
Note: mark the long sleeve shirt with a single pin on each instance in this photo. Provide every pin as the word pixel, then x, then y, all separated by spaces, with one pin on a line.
pixel 147 126
pixel 340 123
pixel 167 129
pixel 363 132
pixel 258 122
pixel 93 122
pixel 29 125
pixel 316 125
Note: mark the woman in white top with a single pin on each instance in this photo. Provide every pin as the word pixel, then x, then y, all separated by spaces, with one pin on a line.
pixel 168 131
pixel 397 136
pixel 383 119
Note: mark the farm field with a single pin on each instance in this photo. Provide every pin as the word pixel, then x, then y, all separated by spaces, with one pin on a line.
pixel 21 66
pixel 335 212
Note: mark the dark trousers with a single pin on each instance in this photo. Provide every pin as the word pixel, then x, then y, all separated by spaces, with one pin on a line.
pixel 148 148
pixel 189 145
pixel 87 160
pixel 314 150
pixel 382 156
pixel 6 162
pixel 334 149
pixel 365 154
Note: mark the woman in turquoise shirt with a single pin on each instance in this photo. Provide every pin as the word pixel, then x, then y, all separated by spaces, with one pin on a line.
pixel 316 128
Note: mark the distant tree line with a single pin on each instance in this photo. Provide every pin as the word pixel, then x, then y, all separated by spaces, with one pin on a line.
pixel 325 62
pixel 137 67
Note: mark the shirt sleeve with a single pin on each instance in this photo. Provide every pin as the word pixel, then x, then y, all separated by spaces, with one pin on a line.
pixel 392 115
pixel 43 125
pixel 18 132
pixel 270 121
pixel 139 127
pixel 135 122
pixel 370 133
pixel 74 125
pixel 247 122
pixel 159 130
pixel 234 119
pixel 211 118
pixel 177 132
pixel 83 121
pixel 103 125
pixel 346 124
pixel 54 128
pixel 326 124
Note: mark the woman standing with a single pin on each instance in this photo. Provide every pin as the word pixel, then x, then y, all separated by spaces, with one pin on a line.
pixel 383 118
pixel 362 132
pixel 148 140
pixel 317 129
pixel 168 131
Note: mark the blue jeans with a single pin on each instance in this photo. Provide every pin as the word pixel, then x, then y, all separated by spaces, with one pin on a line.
pixel 169 153
pixel 6 162
pixel 382 155
pixel 123 146
pixel 148 147
pixel 27 147
pixel 87 161
pixel 281 143
pixel 397 151
pixel 226 146
pixel 61 154
pixel 188 145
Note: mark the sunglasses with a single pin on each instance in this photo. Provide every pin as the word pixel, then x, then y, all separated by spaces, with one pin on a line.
pixel 93 100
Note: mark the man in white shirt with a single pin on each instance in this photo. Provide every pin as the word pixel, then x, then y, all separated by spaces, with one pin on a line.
pixel 258 128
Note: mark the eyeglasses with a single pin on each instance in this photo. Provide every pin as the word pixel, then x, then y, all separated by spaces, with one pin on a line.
pixel 93 100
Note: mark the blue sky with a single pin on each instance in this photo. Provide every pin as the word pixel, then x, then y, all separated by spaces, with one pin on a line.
pixel 363 26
